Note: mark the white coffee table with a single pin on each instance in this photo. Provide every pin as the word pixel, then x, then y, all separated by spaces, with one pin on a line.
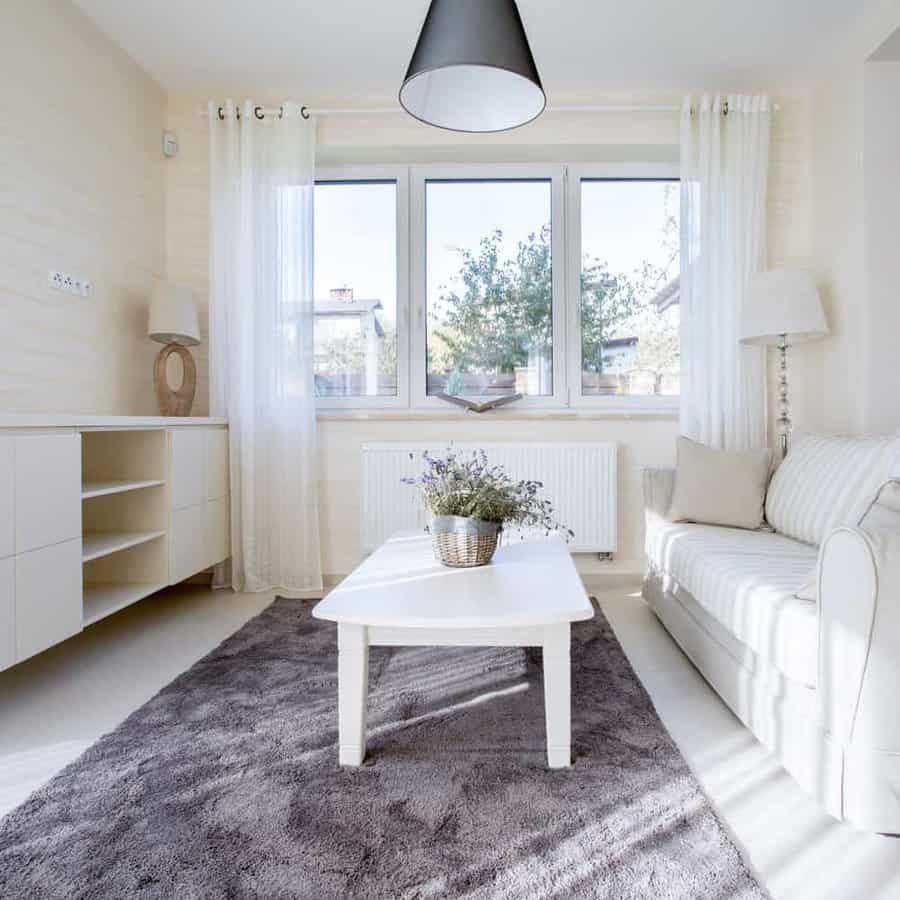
pixel 400 596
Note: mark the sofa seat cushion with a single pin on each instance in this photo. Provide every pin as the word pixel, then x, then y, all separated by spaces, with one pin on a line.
pixel 746 580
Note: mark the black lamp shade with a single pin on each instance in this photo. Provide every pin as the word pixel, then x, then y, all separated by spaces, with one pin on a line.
pixel 472 69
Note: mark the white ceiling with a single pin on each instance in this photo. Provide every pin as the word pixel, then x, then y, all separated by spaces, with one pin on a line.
pixel 320 51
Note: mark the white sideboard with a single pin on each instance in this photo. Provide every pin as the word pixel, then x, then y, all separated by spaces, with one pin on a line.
pixel 99 512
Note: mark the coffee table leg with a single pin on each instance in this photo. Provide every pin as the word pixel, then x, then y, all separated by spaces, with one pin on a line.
pixel 557 696
pixel 353 688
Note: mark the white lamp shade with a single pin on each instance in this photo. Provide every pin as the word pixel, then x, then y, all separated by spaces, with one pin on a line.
pixel 782 301
pixel 173 315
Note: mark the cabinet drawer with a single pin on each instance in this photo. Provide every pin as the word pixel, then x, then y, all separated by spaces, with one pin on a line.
pixel 48 597
pixel 7 494
pixel 187 548
pixel 47 490
pixel 217 477
pixel 218 533
pixel 7 612
pixel 188 467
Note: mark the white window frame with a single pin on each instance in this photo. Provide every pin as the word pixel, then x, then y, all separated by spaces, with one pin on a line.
pixel 566 278
pixel 419 175
pixel 646 403
pixel 399 175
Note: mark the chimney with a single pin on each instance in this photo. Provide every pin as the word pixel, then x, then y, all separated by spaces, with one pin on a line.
pixel 341 293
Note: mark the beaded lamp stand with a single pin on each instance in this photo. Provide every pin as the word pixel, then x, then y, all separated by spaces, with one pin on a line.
pixel 783 423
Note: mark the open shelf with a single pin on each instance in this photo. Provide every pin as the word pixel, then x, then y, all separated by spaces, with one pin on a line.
pixel 125 521
pixel 104 488
pixel 96 544
pixel 101 600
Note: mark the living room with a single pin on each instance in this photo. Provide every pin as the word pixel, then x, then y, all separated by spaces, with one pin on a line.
pixel 449 449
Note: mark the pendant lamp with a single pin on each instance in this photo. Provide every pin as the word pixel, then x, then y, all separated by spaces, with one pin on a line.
pixel 472 69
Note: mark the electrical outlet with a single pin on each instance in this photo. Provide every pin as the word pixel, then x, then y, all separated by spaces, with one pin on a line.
pixel 70 284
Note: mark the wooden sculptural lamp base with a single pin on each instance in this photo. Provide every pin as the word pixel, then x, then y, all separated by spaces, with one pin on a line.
pixel 175 402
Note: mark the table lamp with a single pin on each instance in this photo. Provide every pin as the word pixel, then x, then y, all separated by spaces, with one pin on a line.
pixel 783 308
pixel 173 322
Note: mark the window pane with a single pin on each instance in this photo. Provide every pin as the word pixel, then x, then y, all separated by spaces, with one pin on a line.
pixel 356 289
pixel 629 287
pixel 489 288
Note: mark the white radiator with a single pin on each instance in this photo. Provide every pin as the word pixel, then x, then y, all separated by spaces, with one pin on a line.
pixel 579 478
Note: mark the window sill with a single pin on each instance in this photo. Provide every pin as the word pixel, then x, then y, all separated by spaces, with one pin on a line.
pixel 498 415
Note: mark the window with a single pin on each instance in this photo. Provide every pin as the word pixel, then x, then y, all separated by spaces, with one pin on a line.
pixel 558 283
pixel 355 284
pixel 489 287
pixel 629 311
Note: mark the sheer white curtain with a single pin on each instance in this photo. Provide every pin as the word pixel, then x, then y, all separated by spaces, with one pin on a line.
pixel 261 334
pixel 724 166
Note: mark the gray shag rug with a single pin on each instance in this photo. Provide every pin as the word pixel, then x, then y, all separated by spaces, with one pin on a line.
pixel 226 785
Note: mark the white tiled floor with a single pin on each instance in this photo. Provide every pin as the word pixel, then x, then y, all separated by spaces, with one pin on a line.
pixel 55 705
pixel 797 851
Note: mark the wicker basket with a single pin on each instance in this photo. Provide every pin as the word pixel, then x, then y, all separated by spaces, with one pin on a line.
pixel 462 542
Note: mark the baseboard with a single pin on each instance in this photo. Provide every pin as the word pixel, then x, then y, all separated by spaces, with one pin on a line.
pixel 591 566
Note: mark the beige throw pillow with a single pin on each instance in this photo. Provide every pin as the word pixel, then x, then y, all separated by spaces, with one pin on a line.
pixel 720 487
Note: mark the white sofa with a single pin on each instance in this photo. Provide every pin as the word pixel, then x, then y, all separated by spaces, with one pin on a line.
pixel 818 682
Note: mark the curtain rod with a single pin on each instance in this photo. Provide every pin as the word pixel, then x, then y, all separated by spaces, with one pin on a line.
pixel 306 111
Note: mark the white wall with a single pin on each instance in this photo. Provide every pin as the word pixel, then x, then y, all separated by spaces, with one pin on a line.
pixel 618 136
pixel 856 188
pixel 837 108
pixel 881 320
pixel 82 184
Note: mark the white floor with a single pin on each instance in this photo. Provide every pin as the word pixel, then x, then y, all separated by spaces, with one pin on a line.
pixel 54 706
pixel 57 704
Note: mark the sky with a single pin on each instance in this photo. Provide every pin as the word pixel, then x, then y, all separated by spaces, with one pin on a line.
pixel 355 229
pixel 356 242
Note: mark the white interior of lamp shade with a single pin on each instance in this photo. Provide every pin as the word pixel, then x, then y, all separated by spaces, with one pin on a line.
pixel 472 98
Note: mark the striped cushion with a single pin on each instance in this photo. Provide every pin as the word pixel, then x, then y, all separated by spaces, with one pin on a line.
pixel 746 581
pixel 826 482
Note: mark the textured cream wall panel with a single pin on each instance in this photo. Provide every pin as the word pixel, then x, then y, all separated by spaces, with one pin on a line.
pixel 81 191
pixel 609 128
pixel 187 224
pixel 649 442
pixel 838 235
pixel 881 322
pixel 850 368
pixel 790 246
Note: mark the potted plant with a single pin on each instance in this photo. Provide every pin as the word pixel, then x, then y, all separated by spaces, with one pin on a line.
pixel 471 500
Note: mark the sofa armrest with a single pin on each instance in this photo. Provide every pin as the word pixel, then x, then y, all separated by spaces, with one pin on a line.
pixel 658 487
pixel 859 638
